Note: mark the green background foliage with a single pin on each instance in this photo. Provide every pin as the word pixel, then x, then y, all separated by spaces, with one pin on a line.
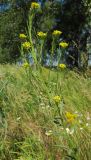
pixel 70 16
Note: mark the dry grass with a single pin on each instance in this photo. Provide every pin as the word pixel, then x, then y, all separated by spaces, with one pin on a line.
pixel 27 112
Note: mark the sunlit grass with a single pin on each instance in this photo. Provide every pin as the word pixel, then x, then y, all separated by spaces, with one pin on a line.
pixel 30 123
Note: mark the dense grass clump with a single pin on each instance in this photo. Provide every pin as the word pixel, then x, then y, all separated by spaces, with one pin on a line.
pixel 33 126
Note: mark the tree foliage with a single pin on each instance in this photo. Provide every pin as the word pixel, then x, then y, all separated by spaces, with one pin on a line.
pixel 69 16
pixel 10 27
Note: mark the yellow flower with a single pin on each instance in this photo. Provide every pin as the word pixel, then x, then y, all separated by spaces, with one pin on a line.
pixel 62 66
pixel 42 34
pixel 63 44
pixel 57 99
pixel 26 45
pixel 35 5
pixel 22 36
pixel 26 65
pixel 57 33
pixel 70 117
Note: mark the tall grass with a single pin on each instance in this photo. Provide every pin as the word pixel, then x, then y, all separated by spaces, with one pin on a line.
pixel 44 114
pixel 30 124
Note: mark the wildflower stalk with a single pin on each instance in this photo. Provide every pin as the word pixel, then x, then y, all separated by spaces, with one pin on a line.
pixel 53 45
pixel 30 21
pixel 41 49
pixel 52 50
pixel 58 110
pixel 57 100
pixel 51 56
pixel 57 81
pixel 42 37
pixel 59 55
pixel 40 55
pixel 60 113
pixel 63 46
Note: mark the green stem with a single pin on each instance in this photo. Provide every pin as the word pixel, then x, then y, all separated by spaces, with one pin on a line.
pixel 30 21
pixel 57 83
pixel 41 49
pixel 60 114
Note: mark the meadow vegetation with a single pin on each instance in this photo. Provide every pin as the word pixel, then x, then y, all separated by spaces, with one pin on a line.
pixel 33 126
pixel 45 114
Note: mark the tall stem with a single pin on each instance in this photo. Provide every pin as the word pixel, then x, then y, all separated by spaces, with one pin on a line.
pixel 30 21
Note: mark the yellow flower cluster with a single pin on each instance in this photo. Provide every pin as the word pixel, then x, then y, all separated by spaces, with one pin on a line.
pixel 42 34
pixel 22 36
pixel 62 66
pixel 26 65
pixel 57 99
pixel 56 33
pixel 70 117
pixel 35 5
pixel 26 45
pixel 63 44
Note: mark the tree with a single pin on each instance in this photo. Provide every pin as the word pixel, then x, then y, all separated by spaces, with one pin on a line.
pixel 69 16
pixel 10 27
pixel 73 21
pixel 12 22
